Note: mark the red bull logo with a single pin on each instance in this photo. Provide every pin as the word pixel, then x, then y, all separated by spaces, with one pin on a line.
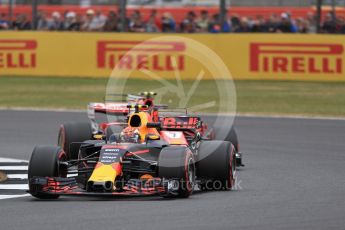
pixel 296 58
pixel 149 55
pixel 17 54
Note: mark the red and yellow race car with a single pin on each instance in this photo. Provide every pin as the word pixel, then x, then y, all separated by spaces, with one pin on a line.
pixel 150 156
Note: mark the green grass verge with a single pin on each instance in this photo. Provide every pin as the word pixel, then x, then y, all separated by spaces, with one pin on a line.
pixel 265 97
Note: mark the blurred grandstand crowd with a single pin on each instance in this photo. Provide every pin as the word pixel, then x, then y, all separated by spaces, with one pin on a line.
pixel 192 23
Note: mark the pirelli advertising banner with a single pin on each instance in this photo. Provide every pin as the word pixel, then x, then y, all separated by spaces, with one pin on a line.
pixel 247 56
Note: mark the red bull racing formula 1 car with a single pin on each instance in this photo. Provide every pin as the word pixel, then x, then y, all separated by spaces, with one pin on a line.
pixel 151 155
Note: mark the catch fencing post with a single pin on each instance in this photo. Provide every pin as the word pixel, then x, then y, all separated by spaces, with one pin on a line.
pixel 318 15
pixel 34 14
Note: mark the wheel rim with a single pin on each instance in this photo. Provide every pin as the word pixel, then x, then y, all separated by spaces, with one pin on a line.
pixel 62 169
pixel 190 174
pixel 231 172
pixel 61 138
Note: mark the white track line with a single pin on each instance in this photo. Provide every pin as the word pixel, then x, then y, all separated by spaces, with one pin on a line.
pixel 22 176
pixel 14 186
pixel 11 160
pixel 17 176
pixel 21 167
pixel 2 197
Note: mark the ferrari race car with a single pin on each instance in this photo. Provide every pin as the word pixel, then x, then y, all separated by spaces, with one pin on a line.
pixel 168 157
pixel 72 134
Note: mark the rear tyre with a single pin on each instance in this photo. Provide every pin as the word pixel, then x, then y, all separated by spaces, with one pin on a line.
pixel 44 162
pixel 232 137
pixel 71 135
pixel 216 165
pixel 178 163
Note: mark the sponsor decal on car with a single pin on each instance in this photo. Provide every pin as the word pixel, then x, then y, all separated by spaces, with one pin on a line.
pixel 181 122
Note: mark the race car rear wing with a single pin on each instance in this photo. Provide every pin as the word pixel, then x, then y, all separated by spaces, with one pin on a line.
pixel 107 108
pixel 119 110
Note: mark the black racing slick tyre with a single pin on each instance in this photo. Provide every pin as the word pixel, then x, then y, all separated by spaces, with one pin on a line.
pixel 216 165
pixel 232 137
pixel 177 163
pixel 71 135
pixel 44 162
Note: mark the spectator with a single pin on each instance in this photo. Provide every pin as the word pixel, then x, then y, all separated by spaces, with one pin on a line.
pixel 137 25
pixel 42 21
pixel 136 14
pixel 244 26
pixel 91 23
pixel 56 22
pixel 134 17
pixel 329 25
pixel 22 23
pixel 294 28
pixel 71 22
pixel 341 25
pixel 311 22
pixel 69 18
pixel 259 25
pixel 168 23
pixel 100 20
pixel 76 24
pixel 235 22
pixel 189 25
pixel 285 25
pixel 302 25
pixel 215 26
pixel 203 22
pixel 272 23
pixel 154 16
pixel 112 22
pixel 151 26
pixel 4 25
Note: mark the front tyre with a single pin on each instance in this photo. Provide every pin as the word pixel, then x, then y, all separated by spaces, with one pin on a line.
pixel 177 163
pixel 45 162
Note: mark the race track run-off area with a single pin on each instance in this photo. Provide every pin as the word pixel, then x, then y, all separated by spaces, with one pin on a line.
pixel 293 179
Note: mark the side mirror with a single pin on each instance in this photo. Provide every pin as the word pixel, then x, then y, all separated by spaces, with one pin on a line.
pixel 156 125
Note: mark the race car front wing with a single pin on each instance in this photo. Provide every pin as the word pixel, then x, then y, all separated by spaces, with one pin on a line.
pixel 69 186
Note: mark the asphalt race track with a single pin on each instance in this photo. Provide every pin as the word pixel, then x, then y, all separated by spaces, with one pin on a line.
pixel 294 179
